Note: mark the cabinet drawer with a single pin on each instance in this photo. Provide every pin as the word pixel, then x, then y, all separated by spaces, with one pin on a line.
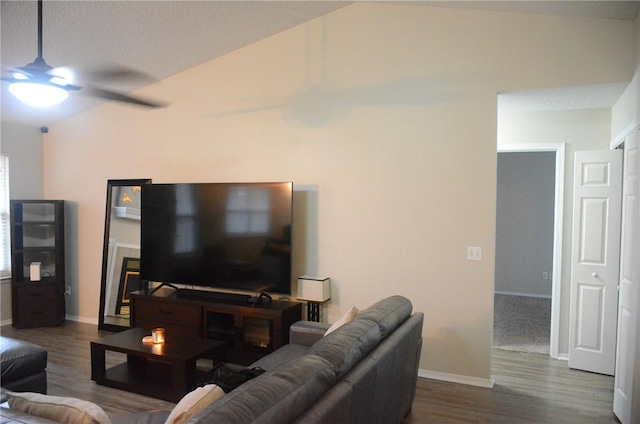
pixel 30 317
pixel 37 306
pixel 167 313
pixel 36 297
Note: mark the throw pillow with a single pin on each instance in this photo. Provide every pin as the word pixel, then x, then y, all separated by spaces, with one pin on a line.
pixel 349 316
pixel 56 408
pixel 194 402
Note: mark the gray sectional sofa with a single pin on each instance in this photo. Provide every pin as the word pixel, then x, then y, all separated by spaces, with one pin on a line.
pixel 23 366
pixel 363 372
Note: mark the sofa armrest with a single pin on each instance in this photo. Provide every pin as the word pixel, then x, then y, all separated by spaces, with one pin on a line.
pixel 307 332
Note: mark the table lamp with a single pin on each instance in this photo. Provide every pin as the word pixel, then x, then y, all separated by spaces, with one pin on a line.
pixel 315 290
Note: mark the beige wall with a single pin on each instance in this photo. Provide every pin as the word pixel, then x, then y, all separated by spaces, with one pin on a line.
pixel 636 42
pixel 23 145
pixel 625 114
pixel 400 148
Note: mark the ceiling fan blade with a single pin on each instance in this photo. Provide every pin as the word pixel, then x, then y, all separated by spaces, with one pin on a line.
pixel 117 73
pixel 119 97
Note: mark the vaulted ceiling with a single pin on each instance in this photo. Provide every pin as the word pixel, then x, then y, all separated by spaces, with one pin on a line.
pixel 163 38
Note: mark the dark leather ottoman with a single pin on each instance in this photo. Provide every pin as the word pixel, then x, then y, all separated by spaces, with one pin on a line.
pixel 23 366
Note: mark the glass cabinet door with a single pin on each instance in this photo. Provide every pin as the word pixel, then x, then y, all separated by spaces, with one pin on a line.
pixel 36 239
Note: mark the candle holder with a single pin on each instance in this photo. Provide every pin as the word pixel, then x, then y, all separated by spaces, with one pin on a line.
pixel 157 335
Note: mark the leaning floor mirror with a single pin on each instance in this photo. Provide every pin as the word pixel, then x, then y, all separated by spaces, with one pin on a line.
pixel 121 253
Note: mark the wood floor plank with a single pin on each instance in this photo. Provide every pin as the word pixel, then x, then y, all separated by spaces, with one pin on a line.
pixel 529 388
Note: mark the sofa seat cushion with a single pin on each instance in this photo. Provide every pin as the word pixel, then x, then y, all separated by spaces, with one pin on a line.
pixel 277 396
pixel 347 345
pixel 19 359
pixel 388 313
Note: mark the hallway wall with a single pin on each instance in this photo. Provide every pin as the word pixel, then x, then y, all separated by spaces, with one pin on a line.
pixel 524 223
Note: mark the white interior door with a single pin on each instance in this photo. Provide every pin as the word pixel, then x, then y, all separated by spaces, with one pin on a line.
pixel 595 260
pixel 629 303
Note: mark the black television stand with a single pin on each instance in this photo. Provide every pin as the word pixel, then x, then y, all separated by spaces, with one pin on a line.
pixel 212 296
pixel 251 332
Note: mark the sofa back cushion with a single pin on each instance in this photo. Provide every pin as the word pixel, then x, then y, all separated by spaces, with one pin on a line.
pixel 347 345
pixel 277 396
pixel 380 388
pixel 388 313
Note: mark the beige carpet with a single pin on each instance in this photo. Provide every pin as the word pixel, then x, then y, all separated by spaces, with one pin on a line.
pixel 522 323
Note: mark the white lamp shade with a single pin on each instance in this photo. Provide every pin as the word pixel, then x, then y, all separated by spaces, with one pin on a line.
pixel 314 289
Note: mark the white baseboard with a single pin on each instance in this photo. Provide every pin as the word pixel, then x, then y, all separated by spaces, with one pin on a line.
pixel 82 319
pixel 563 357
pixel 455 378
pixel 6 322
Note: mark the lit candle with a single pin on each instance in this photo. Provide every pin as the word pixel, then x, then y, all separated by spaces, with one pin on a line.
pixel 157 334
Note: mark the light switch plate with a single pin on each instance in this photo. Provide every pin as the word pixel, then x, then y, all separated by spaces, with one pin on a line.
pixel 474 253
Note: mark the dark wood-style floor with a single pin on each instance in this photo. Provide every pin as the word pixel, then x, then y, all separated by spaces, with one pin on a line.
pixel 530 388
pixel 69 367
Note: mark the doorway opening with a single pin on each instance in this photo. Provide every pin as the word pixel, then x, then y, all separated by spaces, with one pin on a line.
pixel 529 248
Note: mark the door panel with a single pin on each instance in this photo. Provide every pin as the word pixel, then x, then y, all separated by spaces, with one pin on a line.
pixel 593 231
pixel 627 363
pixel 595 261
pixel 590 316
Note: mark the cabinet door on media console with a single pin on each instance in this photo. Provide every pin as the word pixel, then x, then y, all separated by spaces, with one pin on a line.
pixel 251 331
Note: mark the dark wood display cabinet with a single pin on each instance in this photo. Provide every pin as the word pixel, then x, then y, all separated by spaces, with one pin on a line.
pixel 37 263
pixel 251 332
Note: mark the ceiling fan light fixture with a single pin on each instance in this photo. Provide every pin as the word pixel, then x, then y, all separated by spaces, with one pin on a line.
pixel 38 94
pixel 19 76
pixel 38 84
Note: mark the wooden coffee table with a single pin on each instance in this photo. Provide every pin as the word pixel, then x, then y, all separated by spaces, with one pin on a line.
pixel 164 371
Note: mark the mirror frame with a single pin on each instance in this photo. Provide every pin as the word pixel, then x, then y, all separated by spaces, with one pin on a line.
pixel 111 184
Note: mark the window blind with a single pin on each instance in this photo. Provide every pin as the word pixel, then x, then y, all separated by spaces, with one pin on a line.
pixel 5 258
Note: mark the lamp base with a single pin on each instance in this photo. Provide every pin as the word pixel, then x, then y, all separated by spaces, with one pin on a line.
pixel 313 311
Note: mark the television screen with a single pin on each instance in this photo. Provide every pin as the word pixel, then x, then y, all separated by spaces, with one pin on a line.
pixel 221 235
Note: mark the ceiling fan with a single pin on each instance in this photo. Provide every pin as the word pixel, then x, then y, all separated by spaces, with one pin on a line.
pixel 38 84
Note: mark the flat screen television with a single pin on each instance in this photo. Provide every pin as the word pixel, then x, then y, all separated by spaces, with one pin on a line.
pixel 232 236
